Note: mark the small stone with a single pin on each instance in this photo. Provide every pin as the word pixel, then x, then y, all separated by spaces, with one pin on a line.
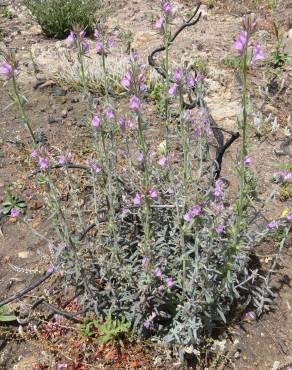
pixel 52 119
pixel 58 91
pixel 23 254
pixel 64 113
pixel 270 109
pixel 75 99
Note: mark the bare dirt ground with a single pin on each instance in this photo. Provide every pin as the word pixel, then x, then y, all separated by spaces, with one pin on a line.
pixel 57 112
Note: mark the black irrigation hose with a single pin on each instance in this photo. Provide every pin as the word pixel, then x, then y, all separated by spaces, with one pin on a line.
pixel 24 291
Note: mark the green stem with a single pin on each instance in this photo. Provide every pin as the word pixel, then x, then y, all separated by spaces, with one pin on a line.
pixel 23 114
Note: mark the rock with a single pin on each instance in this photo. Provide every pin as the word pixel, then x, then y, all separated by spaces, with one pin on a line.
pixel 52 119
pixel 64 113
pixel 59 91
pixel 75 99
pixel 23 254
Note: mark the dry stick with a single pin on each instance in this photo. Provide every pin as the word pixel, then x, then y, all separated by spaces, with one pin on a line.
pixel 221 147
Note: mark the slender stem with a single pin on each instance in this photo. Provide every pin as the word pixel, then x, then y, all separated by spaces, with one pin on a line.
pixel 23 114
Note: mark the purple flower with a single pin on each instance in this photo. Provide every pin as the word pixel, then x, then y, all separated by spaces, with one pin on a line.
pixel 96 34
pixel 196 210
pixel 65 158
pixel 241 42
pixel 220 229
pixel 159 23
pixel 43 163
pixel 137 199
pixel 62 159
pixel 169 282
pixel 70 39
pixel 34 153
pixel 177 75
pixel 273 225
pixel 282 173
pixel 257 54
pixel 110 42
pixel 6 69
pixel 188 216
pixel 125 211
pixel 289 216
pixel 140 157
pixel 190 81
pixel 288 176
pixel 121 122
pixel 163 160
pixel 172 89
pixel 126 80
pixel 14 212
pixel 109 113
pixel 250 315
pixel 99 48
pixel 95 168
pixel 153 193
pixel 167 8
pixel 247 160
pixel 85 46
pixel 158 272
pixel 130 123
pixel 134 104
pixel 146 324
pixel 50 269
pixel 62 366
pixel 95 122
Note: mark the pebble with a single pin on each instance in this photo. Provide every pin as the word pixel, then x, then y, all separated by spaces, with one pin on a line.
pixel 64 113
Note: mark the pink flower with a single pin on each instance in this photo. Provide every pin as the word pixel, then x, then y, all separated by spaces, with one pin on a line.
pixel 43 163
pixel 95 168
pixel 241 42
pixel 273 225
pixel 159 23
pixel 172 89
pixel 153 193
pixel 146 324
pixel 177 75
pixel 6 69
pixel 130 123
pixel 126 80
pixel 14 212
pixel 134 104
pixel 70 39
pixel 110 42
pixel 109 113
pixel 65 158
pixel 95 122
pixel 137 199
pixel 257 54
pixel 196 210
pixel 282 173
pixel 85 46
pixel 220 229
pixel 190 81
pixel 163 160
pixel 167 8
pixel 188 216
pixel 140 157
pixel 50 269
pixel 157 272
pixel 169 282
pixel 99 48
pixel 121 122
pixel 34 153
pixel 247 160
